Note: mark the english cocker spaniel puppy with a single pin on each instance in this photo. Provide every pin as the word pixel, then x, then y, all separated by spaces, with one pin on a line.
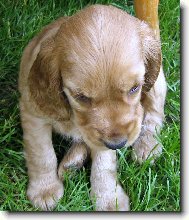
pixel 95 77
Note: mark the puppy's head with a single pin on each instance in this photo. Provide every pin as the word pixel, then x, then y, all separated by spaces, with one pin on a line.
pixel 106 59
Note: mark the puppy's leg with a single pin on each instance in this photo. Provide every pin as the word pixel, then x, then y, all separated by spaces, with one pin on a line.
pixel 44 189
pixel 106 192
pixel 146 145
pixel 75 158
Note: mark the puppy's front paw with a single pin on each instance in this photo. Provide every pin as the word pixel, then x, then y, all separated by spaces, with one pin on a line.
pixel 108 200
pixel 44 194
pixel 146 147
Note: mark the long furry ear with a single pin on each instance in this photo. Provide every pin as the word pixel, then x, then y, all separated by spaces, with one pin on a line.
pixel 151 49
pixel 45 84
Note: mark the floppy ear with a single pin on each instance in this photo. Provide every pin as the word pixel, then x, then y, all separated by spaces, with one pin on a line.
pixel 45 83
pixel 151 51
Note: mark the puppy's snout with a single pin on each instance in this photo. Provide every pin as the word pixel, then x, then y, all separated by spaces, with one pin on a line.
pixel 112 138
pixel 112 134
pixel 115 144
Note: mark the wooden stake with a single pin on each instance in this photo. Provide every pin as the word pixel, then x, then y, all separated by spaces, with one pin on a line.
pixel 147 10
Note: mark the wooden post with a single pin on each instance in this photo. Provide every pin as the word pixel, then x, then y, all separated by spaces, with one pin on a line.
pixel 147 10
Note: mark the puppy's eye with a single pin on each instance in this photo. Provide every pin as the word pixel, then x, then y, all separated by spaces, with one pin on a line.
pixel 134 89
pixel 82 98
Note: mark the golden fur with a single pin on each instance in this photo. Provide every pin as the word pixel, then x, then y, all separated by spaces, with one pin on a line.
pixel 77 77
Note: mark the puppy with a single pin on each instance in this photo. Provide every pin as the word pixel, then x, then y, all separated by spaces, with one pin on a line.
pixel 96 77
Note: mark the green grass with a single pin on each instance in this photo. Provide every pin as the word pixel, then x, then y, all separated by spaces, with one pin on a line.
pixel 150 188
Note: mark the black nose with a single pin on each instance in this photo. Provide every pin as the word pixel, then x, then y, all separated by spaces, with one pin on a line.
pixel 115 145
